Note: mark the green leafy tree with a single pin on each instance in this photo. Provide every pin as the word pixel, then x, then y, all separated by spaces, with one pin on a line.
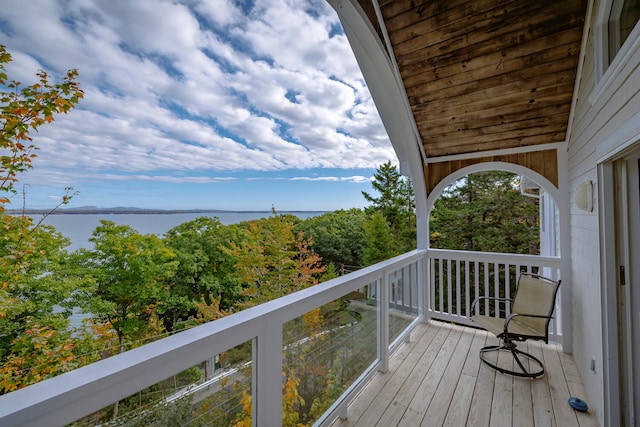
pixel 396 202
pixel 42 287
pixel 337 236
pixel 486 212
pixel 130 271
pixel 24 109
pixel 203 273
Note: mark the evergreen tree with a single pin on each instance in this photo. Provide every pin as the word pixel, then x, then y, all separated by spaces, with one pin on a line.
pixel 486 212
pixel 396 202
pixel 379 244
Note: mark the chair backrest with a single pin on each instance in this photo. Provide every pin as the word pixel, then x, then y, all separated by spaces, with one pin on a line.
pixel 535 295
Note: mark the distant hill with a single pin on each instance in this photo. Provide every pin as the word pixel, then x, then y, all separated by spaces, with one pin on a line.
pixel 85 210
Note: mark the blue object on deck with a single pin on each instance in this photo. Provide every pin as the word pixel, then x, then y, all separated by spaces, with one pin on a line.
pixel 578 404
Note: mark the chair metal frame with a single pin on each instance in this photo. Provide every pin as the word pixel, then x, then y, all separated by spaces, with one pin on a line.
pixel 509 338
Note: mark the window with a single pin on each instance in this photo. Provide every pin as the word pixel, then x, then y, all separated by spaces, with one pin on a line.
pixel 616 39
pixel 623 17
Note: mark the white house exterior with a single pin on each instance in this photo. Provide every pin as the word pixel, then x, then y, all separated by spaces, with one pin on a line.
pixel 603 147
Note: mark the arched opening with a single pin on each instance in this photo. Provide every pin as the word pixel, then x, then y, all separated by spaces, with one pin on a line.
pixel 490 211
pixel 543 182
pixel 491 199
pixel 482 255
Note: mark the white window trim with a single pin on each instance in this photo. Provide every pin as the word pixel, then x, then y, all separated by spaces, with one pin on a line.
pixel 620 141
pixel 605 75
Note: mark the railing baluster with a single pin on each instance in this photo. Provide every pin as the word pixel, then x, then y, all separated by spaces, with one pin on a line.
pixel 487 288
pixel 507 284
pixel 458 296
pixel 449 287
pixel 440 286
pixel 267 405
pixel 414 287
pixel 476 278
pixel 431 306
pixel 496 287
pixel 467 296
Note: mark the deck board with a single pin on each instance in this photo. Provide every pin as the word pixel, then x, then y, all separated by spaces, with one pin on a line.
pixel 522 401
pixel 437 379
pixel 373 404
pixel 458 412
pixel 502 403
pixel 442 400
pixel 479 412
pixel 392 406
pixel 558 386
pixel 423 397
pixel 399 368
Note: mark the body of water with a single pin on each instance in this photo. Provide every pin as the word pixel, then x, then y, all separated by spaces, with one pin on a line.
pixel 79 227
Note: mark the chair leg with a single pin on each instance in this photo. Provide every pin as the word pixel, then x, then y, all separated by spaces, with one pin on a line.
pixel 517 355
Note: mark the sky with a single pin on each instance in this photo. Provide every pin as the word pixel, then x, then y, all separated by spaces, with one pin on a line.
pixel 212 104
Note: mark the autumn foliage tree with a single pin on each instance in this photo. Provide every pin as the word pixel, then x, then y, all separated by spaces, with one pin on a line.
pixel 32 261
pixel 25 109
pixel 272 260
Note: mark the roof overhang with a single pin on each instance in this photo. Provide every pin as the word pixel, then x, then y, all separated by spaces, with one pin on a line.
pixel 468 81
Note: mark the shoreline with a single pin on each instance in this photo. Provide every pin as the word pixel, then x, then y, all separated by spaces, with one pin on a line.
pixel 137 211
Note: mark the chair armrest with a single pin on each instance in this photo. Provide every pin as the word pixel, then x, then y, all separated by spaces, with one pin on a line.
pixel 514 315
pixel 475 301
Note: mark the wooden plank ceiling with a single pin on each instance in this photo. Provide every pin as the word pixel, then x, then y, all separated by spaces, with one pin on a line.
pixel 485 75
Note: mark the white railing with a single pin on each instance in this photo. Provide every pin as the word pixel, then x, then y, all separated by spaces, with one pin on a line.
pixel 69 397
pixel 456 278
pixel 391 293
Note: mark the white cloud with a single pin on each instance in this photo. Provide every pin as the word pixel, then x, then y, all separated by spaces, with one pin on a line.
pixel 356 178
pixel 196 85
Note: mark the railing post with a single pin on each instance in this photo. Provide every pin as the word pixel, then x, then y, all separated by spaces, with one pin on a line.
pixel 426 282
pixel 383 323
pixel 267 377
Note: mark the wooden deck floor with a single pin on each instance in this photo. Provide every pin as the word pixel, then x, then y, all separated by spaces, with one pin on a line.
pixel 437 380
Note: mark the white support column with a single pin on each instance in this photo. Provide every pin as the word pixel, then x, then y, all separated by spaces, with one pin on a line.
pixel 382 77
pixel 267 384
pixel 565 251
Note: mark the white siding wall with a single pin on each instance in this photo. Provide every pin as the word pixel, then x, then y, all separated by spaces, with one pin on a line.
pixel 594 120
